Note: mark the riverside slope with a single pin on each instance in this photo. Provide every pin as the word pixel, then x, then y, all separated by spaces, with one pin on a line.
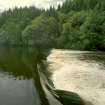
pixel 82 72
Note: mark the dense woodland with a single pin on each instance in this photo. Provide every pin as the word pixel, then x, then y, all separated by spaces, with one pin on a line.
pixel 77 24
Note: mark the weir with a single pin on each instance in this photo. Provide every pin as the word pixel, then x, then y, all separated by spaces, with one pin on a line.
pixel 82 72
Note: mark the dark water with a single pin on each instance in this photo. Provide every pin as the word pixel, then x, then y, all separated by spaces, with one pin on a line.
pixel 24 80
pixel 17 86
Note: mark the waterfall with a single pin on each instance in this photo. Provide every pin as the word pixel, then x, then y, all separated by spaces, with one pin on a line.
pixel 82 72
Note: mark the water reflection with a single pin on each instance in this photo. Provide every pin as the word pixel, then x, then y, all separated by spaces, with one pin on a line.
pixel 11 61
pixel 18 70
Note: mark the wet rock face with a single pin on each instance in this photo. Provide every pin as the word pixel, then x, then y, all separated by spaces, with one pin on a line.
pixel 65 97
pixel 69 98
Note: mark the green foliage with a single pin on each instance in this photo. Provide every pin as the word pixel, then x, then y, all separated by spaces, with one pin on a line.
pixel 42 32
pixel 78 5
pixel 76 24
pixel 72 35
pixel 13 22
pixel 83 24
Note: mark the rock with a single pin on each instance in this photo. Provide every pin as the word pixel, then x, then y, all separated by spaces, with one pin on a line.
pixel 68 98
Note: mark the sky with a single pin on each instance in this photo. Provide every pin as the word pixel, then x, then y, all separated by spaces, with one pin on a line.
pixel 5 4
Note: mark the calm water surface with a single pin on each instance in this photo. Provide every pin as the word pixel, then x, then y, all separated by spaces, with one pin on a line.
pixel 17 86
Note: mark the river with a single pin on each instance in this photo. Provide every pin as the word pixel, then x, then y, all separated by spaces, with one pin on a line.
pixel 82 72
pixel 65 78
pixel 22 79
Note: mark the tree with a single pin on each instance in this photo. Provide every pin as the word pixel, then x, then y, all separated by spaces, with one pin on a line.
pixel 42 32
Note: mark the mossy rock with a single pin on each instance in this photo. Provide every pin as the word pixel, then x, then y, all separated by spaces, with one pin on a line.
pixel 69 98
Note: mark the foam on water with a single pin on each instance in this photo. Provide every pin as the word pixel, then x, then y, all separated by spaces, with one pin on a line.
pixel 72 72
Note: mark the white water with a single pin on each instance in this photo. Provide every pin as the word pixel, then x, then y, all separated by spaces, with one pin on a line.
pixel 73 72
